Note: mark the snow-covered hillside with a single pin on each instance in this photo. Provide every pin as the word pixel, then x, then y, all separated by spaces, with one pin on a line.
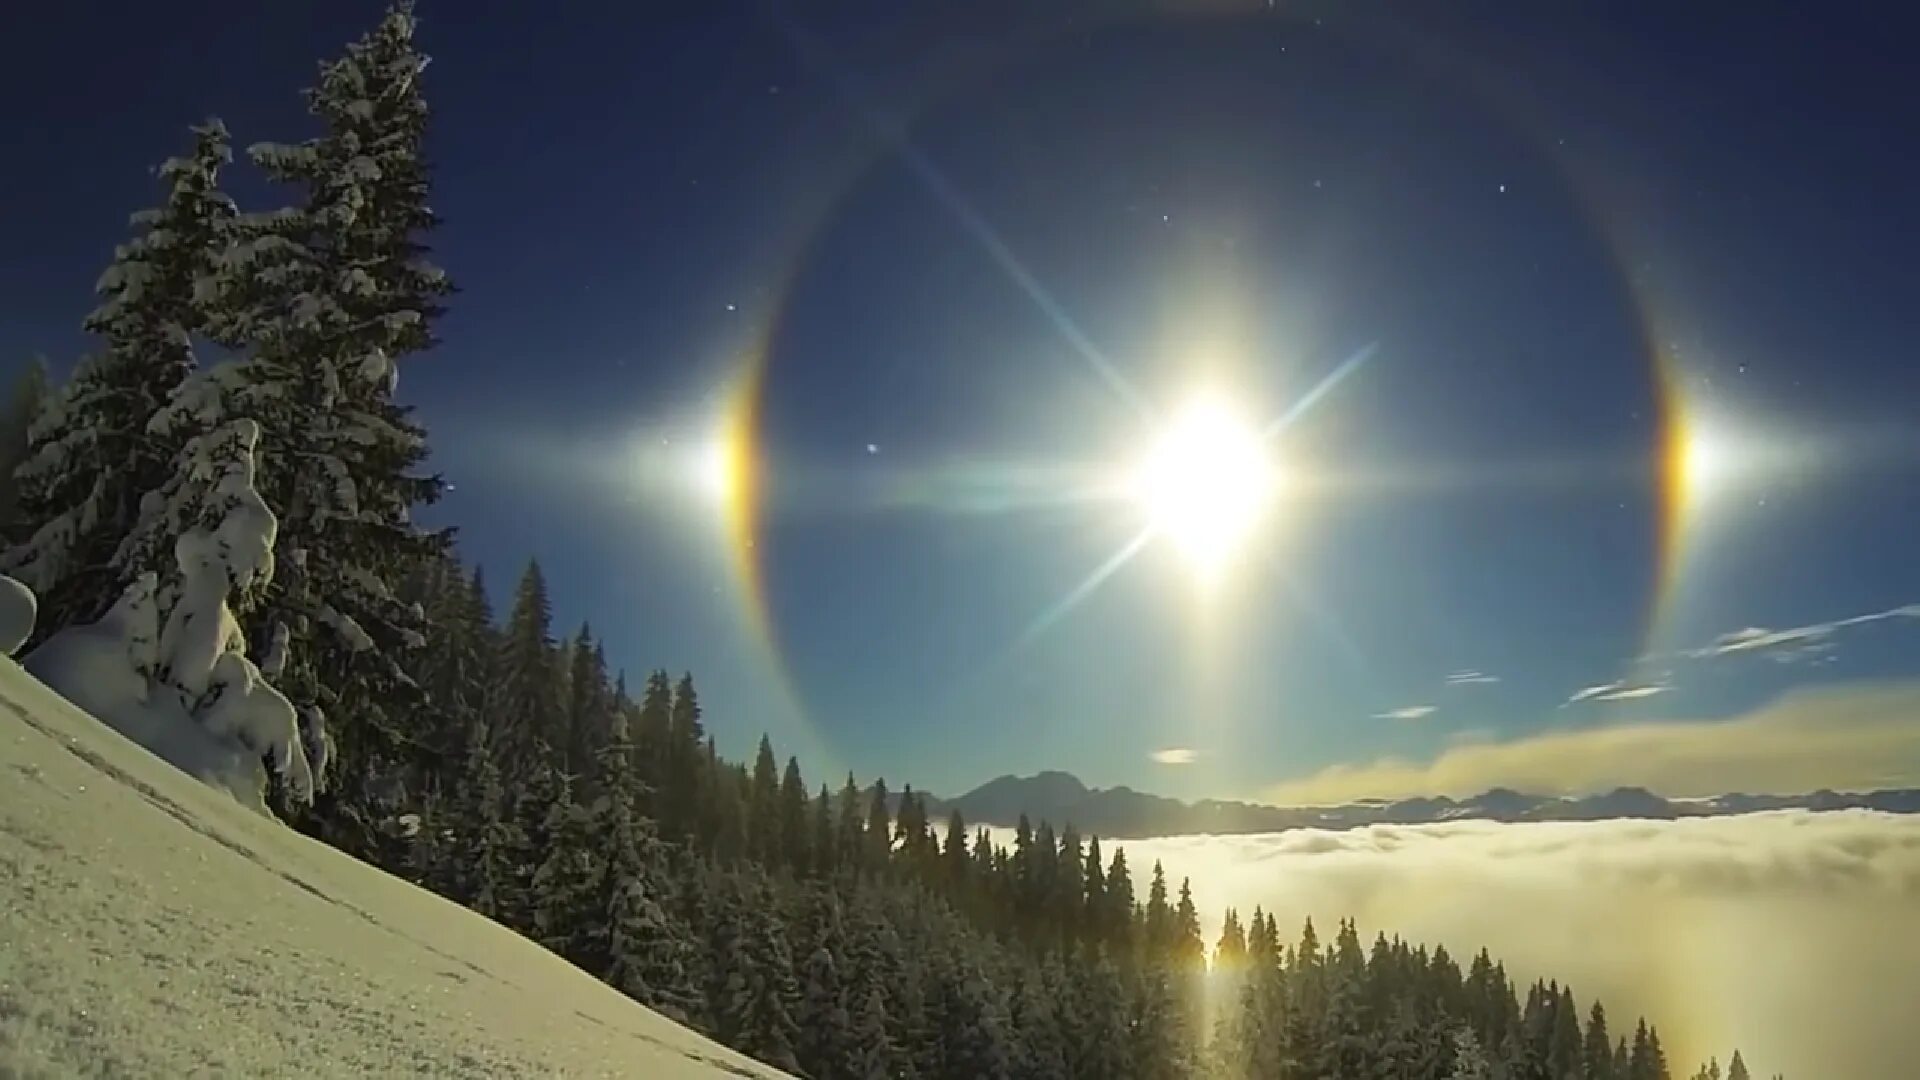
pixel 150 926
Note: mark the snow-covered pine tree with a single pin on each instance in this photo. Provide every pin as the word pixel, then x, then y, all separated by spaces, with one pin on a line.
pixel 568 905
pixel 974 1033
pixel 765 1001
pixel 1039 1035
pixel 875 1057
pixel 167 663
pixel 1469 1060
pixel 825 1047
pixel 1099 1045
pixel 323 298
pixel 636 941
pixel 1158 1024
pixel 92 456
pixel 529 813
pixel 484 842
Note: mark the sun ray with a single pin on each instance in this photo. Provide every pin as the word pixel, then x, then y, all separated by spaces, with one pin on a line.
pixel 1324 387
pixel 1079 594
pixel 975 224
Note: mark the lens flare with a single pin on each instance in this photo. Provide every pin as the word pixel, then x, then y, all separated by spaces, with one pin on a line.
pixel 1206 484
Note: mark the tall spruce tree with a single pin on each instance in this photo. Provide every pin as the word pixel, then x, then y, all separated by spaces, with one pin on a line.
pixel 484 841
pixel 93 456
pixel 1597 1050
pixel 796 839
pixel 526 701
pixel 322 299
pixel 635 940
pixel 763 807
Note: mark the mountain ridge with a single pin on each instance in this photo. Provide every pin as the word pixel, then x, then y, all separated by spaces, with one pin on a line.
pixel 1121 812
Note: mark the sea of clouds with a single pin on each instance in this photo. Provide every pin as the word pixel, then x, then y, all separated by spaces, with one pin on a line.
pixel 1793 935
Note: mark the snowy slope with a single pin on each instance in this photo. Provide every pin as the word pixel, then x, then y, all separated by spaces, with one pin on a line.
pixel 149 926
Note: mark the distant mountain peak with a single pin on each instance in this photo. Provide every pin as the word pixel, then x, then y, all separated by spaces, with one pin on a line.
pixel 1061 798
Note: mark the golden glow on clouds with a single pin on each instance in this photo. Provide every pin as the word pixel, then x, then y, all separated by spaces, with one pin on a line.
pixel 1206 483
pixel 1857 736
pixel 1726 931
pixel 1175 755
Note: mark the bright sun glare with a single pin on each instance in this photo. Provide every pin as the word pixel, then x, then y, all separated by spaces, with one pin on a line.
pixel 1206 483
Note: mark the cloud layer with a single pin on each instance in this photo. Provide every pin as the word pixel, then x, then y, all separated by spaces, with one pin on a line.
pixel 1793 935
pixel 1174 755
pixel 1853 737
pixel 1409 712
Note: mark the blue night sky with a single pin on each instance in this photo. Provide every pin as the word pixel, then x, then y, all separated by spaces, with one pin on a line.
pixel 1569 246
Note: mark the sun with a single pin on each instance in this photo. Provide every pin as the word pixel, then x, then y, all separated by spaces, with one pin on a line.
pixel 1206 483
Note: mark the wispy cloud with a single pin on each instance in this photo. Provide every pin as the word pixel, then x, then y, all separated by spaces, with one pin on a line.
pixel 1175 755
pixel 1470 677
pixel 1618 691
pixel 1807 641
pixel 1853 736
pixel 1409 712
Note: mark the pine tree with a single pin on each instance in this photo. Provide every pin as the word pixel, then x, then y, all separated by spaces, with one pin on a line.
pixel 322 299
pixel 1640 1064
pixel 1040 1051
pixel 875 1057
pixel 686 770
pixel 568 899
pixel 1094 906
pixel 1117 919
pixel 878 843
pixel 766 1000
pixel 954 858
pixel 1159 918
pixel 825 1046
pixel 796 839
pixel 1189 952
pixel 763 807
pixel 588 701
pixel 849 836
pixel 92 456
pixel 642 949
pixel 484 840
pixel 527 702
pixel 823 840
pixel 1737 1068
pixel 1597 1055
pixel 1469 1060
pixel 1564 1044
pixel 1070 887
pixel 1656 1057
pixel 30 393
pixel 653 745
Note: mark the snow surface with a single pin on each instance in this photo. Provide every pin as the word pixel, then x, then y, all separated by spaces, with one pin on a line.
pixel 18 609
pixel 151 926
